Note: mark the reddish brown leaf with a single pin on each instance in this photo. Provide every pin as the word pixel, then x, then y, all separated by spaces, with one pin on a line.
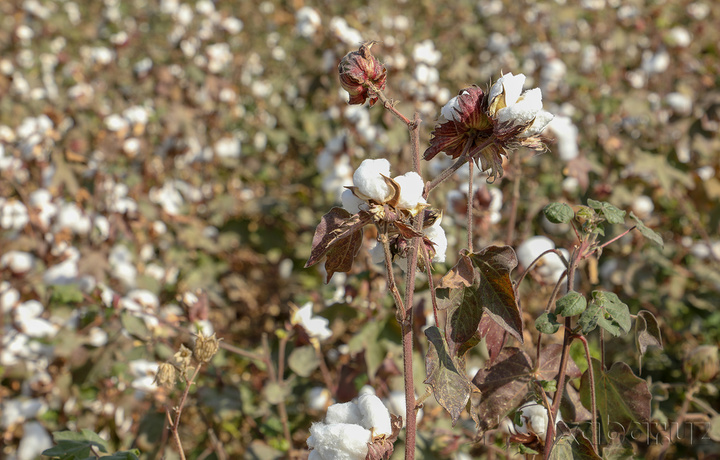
pixel 339 236
pixel 496 293
pixel 461 275
pixel 495 337
pixel 503 386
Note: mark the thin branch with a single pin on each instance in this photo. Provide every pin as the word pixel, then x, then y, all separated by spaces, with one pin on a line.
pixel 532 264
pixel 593 404
pixel 455 166
pixel 389 104
pixel 470 208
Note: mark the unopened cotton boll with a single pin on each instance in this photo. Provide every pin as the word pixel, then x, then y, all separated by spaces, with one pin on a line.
pixel 369 181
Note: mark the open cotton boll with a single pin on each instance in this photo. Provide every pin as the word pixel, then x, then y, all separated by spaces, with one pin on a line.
pixel 451 110
pixel 436 234
pixel 525 110
pixel 535 418
pixel 347 412
pixel 509 84
pixel 350 202
pixel 411 190
pixel 369 181
pixel 541 121
pixel 375 415
pixel 339 441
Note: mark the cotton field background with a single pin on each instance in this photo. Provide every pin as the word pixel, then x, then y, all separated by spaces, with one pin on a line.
pixel 164 164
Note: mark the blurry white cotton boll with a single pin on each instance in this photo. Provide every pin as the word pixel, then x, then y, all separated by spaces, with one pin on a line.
pixel 9 297
pixel 655 63
pixel 318 398
pixel 18 262
pixel 566 135
pixel 228 147
pixel 14 411
pixel 643 206
pixel 144 372
pixel 34 441
pixel 65 272
pixel 308 21
pixel 679 103
pixel 426 53
pixel 550 267
pixel 71 217
pixel 344 32
pixel 13 215
pixel 395 403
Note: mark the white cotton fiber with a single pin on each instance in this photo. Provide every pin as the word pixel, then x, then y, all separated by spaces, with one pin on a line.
pixel 450 111
pixel 339 441
pixel 369 181
pixel 524 110
pixel 343 413
pixel 436 234
pixel 374 415
pixel 411 189
pixel 350 202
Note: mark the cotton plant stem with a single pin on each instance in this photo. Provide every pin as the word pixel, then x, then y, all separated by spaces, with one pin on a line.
pixel 388 104
pixel 175 425
pixel 464 157
pixel 553 295
pixel 515 199
pixel 567 339
pixel 470 208
pixel 414 128
pixel 593 403
pixel 399 305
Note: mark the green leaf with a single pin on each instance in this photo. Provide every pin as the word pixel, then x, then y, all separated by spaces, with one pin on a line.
pixel 275 393
pixel 464 314
pixel 616 315
pixel 496 293
pixel 623 399
pixel 607 311
pixel 548 385
pixel 547 323
pixel 134 325
pixel 648 233
pixel 446 375
pixel 571 304
pixel 612 214
pixel 559 213
pixel 303 360
pixel 67 294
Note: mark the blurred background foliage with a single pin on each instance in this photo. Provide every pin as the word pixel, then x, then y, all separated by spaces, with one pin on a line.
pixel 202 141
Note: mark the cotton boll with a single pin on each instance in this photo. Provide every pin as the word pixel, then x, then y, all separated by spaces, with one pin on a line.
pixel 643 206
pixel 566 135
pixel 377 252
pixel 18 262
pixel 535 418
pixel 541 121
pixel 450 111
pixel 436 234
pixel 350 202
pixel 395 403
pixel 318 398
pixel 375 415
pixel 411 190
pixel 369 181
pixel 34 441
pixel 347 412
pixel 525 110
pixel 531 248
pixel 510 85
pixel 340 441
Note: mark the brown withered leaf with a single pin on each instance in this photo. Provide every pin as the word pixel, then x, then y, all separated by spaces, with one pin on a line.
pixel 461 275
pixel 339 236
pixel 496 293
pixel 571 444
pixel 503 386
pixel 495 337
pixel 647 332
pixel 446 375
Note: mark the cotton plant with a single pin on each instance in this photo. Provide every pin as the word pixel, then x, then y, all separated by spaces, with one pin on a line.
pixel 476 298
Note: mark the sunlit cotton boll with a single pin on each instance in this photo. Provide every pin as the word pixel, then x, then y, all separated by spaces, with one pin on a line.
pixel 411 189
pixel 643 206
pixel 436 234
pixel 144 372
pixel 64 272
pixel 318 398
pixel 352 203
pixel 535 419
pixel 426 53
pixel 369 181
pixel 228 147
pixel 314 326
pixel 348 428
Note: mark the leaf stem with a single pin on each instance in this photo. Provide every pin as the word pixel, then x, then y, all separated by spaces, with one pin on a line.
pixel 593 403
pixel 470 208
pixel 389 104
